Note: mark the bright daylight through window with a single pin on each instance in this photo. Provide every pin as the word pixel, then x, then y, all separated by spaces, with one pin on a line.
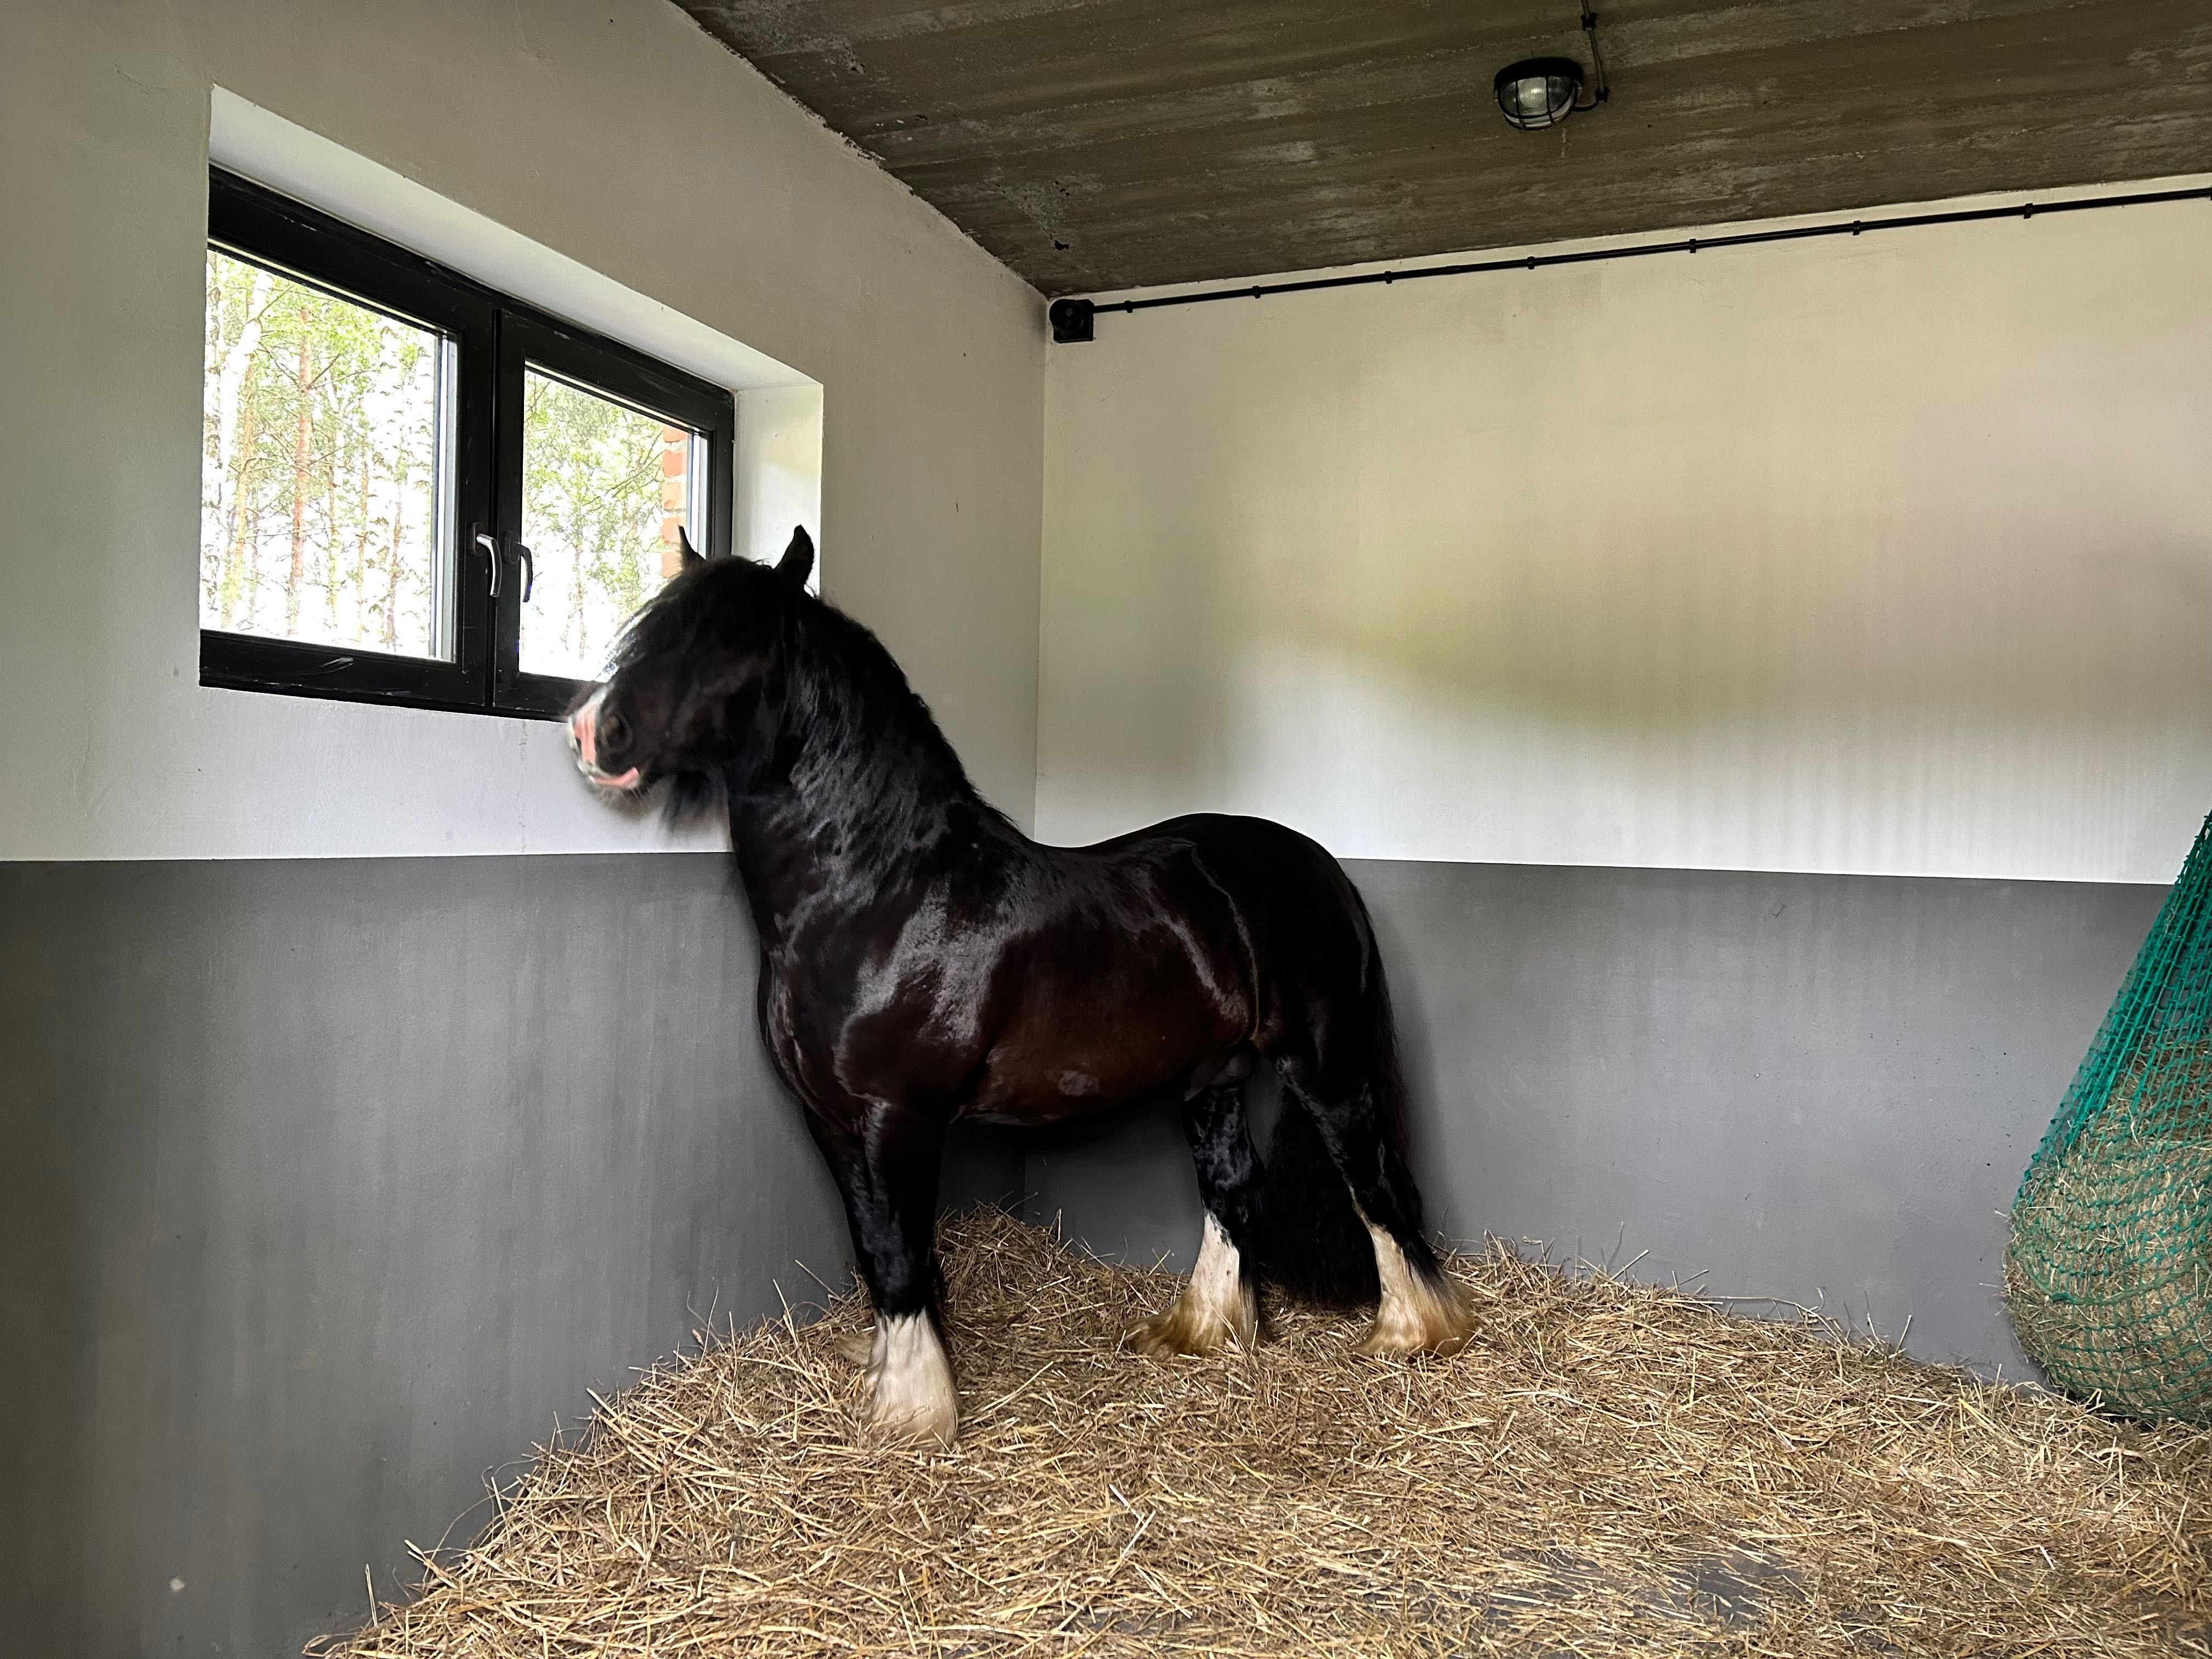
pixel 415 491
pixel 321 508
pixel 606 491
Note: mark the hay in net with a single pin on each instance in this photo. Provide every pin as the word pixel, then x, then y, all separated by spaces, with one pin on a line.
pixel 2109 1273
pixel 1608 1469
pixel 2108 1270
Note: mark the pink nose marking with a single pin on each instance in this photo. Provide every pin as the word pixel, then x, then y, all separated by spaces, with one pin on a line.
pixel 583 729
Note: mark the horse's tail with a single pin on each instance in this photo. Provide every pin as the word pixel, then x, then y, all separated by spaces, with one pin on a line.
pixel 1319 1249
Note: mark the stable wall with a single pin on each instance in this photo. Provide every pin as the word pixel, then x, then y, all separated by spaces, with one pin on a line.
pixel 1879 555
pixel 620 136
pixel 340 1167
pixel 332 1186
pixel 1759 692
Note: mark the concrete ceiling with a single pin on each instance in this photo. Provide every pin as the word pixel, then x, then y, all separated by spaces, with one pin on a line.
pixel 1098 144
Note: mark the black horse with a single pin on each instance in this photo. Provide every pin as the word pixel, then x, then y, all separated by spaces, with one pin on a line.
pixel 922 960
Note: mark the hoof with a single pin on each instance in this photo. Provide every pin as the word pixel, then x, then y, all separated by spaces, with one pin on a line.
pixel 911 1397
pixel 929 1426
pixel 1432 1316
pixel 1165 1335
pixel 1388 1342
pixel 1423 1311
pixel 1185 1329
pixel 1215 1309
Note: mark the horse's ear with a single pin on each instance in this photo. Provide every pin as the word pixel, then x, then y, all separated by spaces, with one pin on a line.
pixel 691 558
pixel 798 560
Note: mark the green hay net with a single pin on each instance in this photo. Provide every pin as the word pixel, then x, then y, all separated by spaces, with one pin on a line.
pixel 2109 1270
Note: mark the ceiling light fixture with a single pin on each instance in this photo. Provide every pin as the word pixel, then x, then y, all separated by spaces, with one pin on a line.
pixel 1542 92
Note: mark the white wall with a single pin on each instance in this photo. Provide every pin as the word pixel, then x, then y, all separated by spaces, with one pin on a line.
pixel 1890 554
pixel 779 469
pixel 619 136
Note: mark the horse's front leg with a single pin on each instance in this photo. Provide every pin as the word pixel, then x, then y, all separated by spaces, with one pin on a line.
pixel 885 1160
pixel 1221 1302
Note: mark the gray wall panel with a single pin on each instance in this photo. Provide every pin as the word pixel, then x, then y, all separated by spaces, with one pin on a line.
pixel 332 1185
pixel 1821 1087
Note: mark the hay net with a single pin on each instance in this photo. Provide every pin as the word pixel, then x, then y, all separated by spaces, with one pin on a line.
pixel 2109 1270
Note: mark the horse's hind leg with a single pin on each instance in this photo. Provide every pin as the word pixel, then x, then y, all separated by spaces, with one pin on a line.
pixel 1422 1310
pixel 1220 1303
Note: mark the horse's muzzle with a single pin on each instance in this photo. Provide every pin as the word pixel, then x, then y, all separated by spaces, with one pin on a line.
pixel 583 742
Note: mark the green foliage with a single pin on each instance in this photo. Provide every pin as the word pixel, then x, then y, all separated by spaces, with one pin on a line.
pixel 591 510
pixel 318 508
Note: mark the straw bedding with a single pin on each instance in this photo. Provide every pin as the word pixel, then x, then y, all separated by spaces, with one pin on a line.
pixel 1608 1469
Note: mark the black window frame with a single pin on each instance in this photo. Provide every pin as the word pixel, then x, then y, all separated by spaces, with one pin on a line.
pixel 496 339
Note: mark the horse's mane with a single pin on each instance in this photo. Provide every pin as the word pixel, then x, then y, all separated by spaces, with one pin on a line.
pixel 865 758
pixel 845 695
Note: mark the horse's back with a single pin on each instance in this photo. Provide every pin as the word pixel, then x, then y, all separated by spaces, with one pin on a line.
pixel 1225 835
pixel 1304 921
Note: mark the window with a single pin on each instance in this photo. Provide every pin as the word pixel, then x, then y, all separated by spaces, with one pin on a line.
pixel 415 491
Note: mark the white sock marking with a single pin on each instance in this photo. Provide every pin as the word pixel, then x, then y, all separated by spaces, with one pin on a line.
pixel 912 1380
pixel 1216 1293
pixel 1416 1316
pixel 1216 1305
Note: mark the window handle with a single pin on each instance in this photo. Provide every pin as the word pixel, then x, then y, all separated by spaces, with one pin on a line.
pixel 529 571
pixel 492 557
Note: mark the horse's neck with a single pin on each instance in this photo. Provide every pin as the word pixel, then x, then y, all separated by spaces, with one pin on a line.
pixel 861 796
